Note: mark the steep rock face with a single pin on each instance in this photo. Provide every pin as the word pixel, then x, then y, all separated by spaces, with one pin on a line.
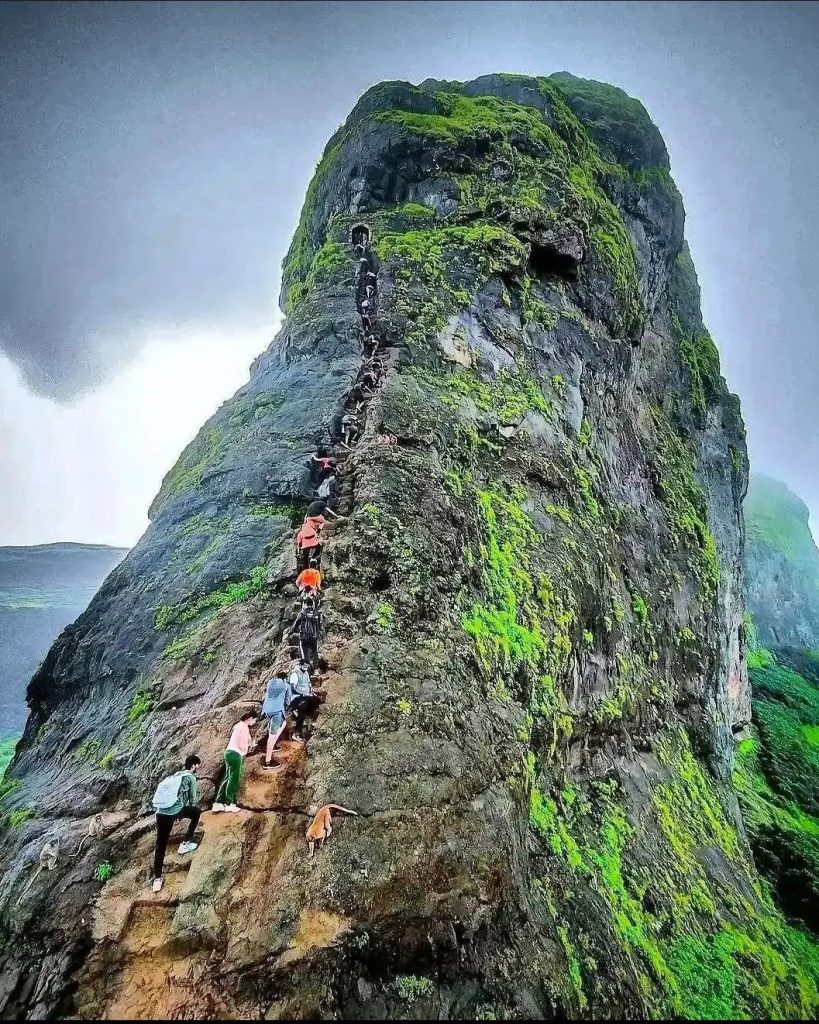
pixel 532 617
pixel 782 565
pixel 42 589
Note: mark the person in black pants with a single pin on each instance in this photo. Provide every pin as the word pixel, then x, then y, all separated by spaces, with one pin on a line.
pixel 308 627
pixel 185 804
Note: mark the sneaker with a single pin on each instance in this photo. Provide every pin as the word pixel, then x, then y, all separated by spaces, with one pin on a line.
pixel 269 767
pixel 157 884
pixel 187 847
pixel 217 807
pixel 232 808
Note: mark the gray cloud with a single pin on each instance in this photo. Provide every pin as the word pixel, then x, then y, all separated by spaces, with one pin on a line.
pixel 154 158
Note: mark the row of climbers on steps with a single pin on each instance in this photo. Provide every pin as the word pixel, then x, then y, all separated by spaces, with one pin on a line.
pixel 177 797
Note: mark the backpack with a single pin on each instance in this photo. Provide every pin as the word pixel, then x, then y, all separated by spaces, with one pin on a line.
pixel 324 489
pixel 168 790
pixel 309 626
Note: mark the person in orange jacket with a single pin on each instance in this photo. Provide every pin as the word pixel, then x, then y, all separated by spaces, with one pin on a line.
pixel 308 541
pixel 309 579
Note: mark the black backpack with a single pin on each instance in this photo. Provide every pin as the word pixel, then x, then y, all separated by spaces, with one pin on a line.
pixel 309 625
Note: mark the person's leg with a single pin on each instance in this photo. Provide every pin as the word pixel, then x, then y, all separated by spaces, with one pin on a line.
pixel 297 706
pixel 234 775
pixel 192 814
pixel 164 824
pixel 274 731
pixel 221 795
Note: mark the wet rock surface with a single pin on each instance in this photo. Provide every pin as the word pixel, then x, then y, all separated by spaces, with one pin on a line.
pixel 531 655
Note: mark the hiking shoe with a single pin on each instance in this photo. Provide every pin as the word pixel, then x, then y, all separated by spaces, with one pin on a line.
pixel 232 808
pixel 187 847
pixel 217 807
pixel 157 884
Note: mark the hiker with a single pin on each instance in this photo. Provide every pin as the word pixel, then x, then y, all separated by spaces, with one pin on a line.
pixel 307 627
pixel 350 427
pixel 310 578
pixel 372 276
pixel 322 825
pixel 326 463
pixel 176 797
pixel 304 700
pixel 366 306
pixel 329 494
pixel 234 756
pixel 277 698
pixel 308 543
pixel 316 508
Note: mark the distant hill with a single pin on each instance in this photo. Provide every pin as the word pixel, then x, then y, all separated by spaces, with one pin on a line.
pixel 42 589
pixel 782 565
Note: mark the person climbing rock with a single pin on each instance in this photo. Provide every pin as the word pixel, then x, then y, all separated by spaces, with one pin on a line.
pixel 309 579
pixel 277 698
pixel 176 797
pixel 304 701
pixel 325 463
pixel 308 628
pixel 234 757
pixel 350 426
pixel 322 825
pixel 329 493
pixel 308 541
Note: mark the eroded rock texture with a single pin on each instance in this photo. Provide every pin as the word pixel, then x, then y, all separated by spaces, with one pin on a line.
pixel 532 621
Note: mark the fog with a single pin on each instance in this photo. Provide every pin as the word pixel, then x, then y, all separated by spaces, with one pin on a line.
pixel 154 160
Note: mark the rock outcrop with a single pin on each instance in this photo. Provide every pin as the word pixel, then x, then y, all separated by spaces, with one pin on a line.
pixel 532 615
pixel 42 589
pixel 782 566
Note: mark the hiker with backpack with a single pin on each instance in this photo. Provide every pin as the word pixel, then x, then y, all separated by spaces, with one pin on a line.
pixel 304 700
pixel 328 492
pixel 308 627
pixel 234 757
pixel 277 698
pixel 176 797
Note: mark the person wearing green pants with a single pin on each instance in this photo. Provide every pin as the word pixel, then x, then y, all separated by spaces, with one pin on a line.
pixel 237 748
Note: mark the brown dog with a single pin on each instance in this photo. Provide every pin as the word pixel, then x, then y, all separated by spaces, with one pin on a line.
pixel 322 825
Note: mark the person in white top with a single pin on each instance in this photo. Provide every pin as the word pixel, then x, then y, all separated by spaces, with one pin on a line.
pixel 237 748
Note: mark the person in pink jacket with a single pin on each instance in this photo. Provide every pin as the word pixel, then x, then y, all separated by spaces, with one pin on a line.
pixel 235 754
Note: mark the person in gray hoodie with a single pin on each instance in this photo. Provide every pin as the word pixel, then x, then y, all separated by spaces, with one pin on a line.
pixel 277 698
pixel 304 701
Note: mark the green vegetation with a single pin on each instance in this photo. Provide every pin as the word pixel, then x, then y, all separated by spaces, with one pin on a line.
pixel 640 608
pixel 777 518
pixel 701 358
pixel 141 704
pixel 232 593
pixel 685 503
pixel 103 871
pixel 19 817
pixel 329 259
pixel 6 753
pixel 507 396
pixel 694 949
pixel 203 453
pixel 410 987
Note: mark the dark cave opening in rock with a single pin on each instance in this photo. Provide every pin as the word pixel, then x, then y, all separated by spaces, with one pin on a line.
pixel 547 261
pixel 360 234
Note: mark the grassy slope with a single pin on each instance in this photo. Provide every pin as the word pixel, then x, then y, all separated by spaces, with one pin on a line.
pixel 777 775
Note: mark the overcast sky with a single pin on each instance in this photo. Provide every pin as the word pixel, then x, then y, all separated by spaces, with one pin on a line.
pixel 153 160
